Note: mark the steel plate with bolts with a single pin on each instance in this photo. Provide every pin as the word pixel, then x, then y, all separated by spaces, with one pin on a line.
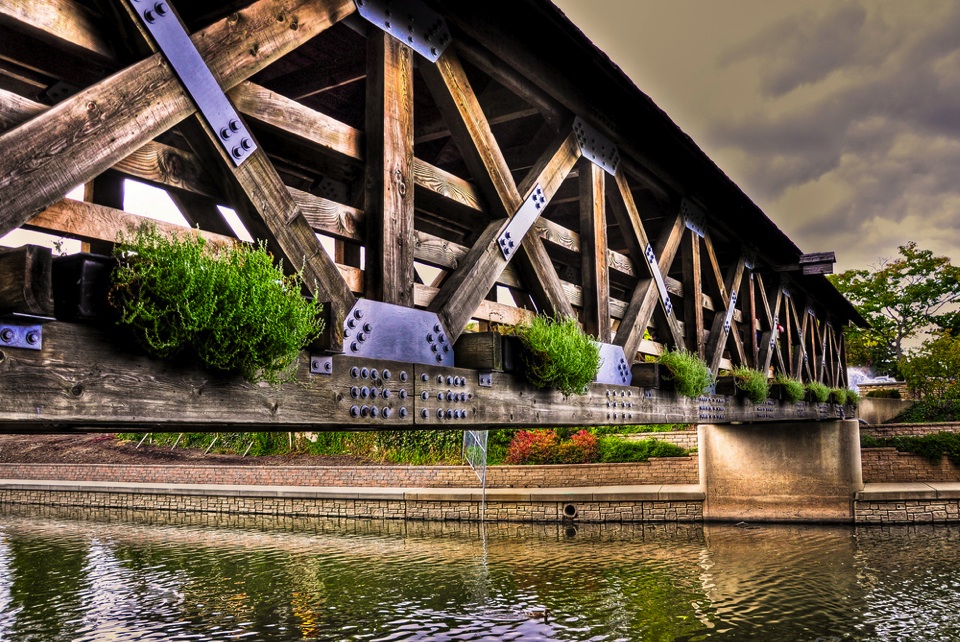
pixel 384 331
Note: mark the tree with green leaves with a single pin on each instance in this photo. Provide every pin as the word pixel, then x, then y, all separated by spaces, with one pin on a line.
pixel 902 299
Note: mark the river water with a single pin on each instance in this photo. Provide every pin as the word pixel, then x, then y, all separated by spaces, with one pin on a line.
pixel 69 575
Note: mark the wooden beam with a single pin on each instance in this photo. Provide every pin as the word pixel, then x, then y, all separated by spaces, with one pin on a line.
pixel 62 24
pixel 693 296
pixel 201 211
pixel 453 94
pixel 90 222
pixel 593 258
pixel 389 179
pixel 752 316
pixel 717 340
pixel 86 134
pixel 25 281
pixel 646 298
pixel 628 218
pixel 15 109
pixel 470 283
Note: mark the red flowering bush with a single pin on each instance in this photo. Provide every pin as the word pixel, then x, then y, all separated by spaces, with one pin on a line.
pixel 545 447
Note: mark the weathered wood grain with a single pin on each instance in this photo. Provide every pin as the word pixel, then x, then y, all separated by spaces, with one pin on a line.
pixel 389 180
pixel 25 281
pixel 63 24
pixel 84 135
pixel 693 299
pixel 593 258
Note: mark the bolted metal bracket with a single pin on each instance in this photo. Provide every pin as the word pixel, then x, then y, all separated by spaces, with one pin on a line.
pixel 596 148
pixel 512 235
pixel 614 369
pixel 322 365
pixel 730 310
pixel 173 40
pixel 394 333
pixel 485 380
pixel 14 334
pixel 693 217
pixel 409 21
pixel 750 260
pixel 658 278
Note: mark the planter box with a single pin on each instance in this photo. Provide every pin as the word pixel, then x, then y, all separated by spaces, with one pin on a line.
pixel 650 375
pixel 81 283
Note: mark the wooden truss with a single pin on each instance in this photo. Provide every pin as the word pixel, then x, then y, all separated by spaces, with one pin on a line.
pixel 410 170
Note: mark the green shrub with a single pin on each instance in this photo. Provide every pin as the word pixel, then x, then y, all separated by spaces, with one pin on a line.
pixel 752 382
pixel 612 450
pixel 232 308
pixel 559 354
pixel 927 411
pixel 839 396
pixel 690 376
pixel 792 388
pixel 819 392
pixel 888 393
pixel 853 397
pixel 933 446
pixel 629 429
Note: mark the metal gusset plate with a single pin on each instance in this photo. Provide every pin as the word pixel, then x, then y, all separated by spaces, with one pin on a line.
pixel 596 147
pixel 174 41
pixel 750 259
pixel 385 331
pixel 730 310
pixel 614 368
pixel 409 21
pixel 522 221
pixel 14 335
pixel 694 218
pixel 658 278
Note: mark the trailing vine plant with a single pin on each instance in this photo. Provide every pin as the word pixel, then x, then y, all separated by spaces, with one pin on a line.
pixel 753 382
pixel 559 354
pixel 690 375
pixel 231 307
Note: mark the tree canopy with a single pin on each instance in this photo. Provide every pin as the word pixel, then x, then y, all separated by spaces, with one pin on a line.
pixel 901 298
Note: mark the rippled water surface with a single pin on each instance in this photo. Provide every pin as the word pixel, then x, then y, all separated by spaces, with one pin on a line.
pixel 129 576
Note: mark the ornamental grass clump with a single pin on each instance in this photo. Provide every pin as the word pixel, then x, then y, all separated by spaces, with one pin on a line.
pixel 839 396
pixel 853 397
pixel 230 307
pixel 792 388
pixel 690 376
pixel 818 392
pixel 559 354
pixel 752 382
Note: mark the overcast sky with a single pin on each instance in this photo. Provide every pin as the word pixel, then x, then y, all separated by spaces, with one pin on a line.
pixel 841 120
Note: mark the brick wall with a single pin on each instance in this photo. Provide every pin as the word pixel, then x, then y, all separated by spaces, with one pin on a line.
pixel 887 465
pixel 907 430
pixel 670 470
pixel 686 439
pixel 399 509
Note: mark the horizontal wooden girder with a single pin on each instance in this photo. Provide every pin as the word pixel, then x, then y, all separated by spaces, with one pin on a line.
pixel 82 380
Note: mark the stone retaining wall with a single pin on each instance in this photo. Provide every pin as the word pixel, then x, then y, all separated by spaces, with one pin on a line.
pixel 686 439
pixel 887 431
pixel 667 470
pixel 399 508
pixel 908 511
pixel 887 465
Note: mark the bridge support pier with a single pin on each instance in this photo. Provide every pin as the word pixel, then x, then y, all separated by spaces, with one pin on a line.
pixel 778 472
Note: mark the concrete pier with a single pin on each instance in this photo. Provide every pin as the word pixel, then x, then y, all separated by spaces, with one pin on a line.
pixel 779 472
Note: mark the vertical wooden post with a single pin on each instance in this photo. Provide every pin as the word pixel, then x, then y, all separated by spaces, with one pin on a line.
pixel 693 296
pixel 389 180
pixel 107 190
pixel 593 252
pixel 752 309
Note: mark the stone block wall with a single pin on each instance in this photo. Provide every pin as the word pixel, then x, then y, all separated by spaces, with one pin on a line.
pixel 686 439
pixel 389 509
pixel 669 470
pixel 889 466
pixel 909 511
pixel 887 431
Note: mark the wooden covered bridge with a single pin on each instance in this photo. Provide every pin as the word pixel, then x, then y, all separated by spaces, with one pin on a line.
pixel 438 167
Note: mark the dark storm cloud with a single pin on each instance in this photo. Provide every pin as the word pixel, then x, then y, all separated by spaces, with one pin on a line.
pixel 803 49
